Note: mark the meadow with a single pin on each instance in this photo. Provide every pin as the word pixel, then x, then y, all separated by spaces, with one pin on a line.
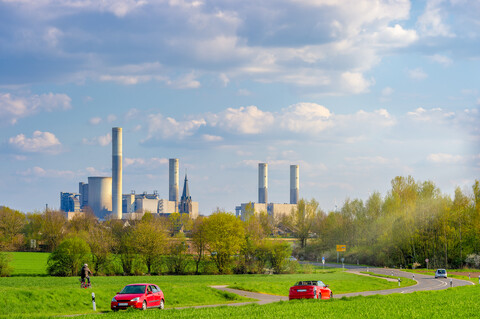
pixel 36 294
pixel 461 302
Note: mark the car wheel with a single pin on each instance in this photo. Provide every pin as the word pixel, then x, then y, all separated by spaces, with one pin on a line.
pixel 114 310
pixel 144 305
pixel 162 304
pixel 331 295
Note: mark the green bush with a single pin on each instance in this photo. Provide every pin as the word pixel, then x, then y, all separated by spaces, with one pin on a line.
pixel 68 258
pixel 5 269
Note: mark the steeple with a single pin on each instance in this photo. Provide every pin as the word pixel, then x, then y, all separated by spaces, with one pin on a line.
pixel 186 191
pixel 185 206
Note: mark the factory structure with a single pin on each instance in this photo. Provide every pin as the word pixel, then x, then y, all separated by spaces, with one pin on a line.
pixel 104 196
pixel 275 210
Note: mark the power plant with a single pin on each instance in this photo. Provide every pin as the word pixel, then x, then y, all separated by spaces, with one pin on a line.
pixel 103 195
pixel 275 210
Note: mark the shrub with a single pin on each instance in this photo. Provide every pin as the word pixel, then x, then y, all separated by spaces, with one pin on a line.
pixel 68 257
pixel 5 269
pixel 473 260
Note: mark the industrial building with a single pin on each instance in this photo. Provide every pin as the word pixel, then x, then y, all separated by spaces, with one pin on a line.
pixel 275 210
pixel 104 194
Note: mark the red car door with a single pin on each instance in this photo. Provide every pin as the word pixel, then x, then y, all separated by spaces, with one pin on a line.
pixel 151 298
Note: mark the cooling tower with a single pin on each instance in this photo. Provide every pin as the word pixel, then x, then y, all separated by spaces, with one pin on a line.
pixel 100 195
pixel 173 180
pixel 263 183
pixel 117 172
pixel 294 184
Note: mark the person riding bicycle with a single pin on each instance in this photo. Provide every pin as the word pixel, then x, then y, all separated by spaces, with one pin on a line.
pixel 84 273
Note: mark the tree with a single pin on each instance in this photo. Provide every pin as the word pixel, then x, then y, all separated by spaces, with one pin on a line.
pixel 302 218
pixel 67 259
pixel 12 223
pixel 148 238
pixel 279 252
pixel 199 241
pixel 225 237
pixel 177 260
pixel 102 243
pixel 53 228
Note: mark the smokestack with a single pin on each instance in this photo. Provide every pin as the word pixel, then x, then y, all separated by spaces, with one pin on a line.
pixel 294 184
pixel 117 172
pixel 173 180
pixel 263 183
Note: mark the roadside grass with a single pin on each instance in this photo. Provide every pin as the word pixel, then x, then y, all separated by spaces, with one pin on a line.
pixel 29 263
pixel 338 280
pixel 461 302
pixel 31 296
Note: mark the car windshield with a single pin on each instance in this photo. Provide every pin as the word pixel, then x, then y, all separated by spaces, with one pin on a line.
pixel 441 271
pixel 134 289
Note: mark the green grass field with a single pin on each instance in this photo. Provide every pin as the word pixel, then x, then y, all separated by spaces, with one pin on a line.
pixel 461 302
pixel 30 296
pixel 27 263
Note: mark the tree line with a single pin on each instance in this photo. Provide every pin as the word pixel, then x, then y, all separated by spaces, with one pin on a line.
pixel 219 243
pixel 412 223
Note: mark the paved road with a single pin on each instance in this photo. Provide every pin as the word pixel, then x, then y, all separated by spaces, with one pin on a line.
pixel 424 282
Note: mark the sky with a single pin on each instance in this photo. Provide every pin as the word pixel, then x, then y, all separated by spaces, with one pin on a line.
pixel 355 92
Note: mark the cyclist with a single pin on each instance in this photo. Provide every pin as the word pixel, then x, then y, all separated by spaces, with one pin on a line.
pixel 84 274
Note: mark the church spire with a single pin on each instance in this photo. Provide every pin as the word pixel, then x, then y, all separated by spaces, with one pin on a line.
pixel 186 191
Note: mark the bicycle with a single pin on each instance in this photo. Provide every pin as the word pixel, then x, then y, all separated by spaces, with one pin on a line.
pixel 84 284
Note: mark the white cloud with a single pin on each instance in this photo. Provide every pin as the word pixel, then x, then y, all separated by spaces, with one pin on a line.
pixel 305 118
pixel 40 142
pixel 38 172
pixel 111 118
pixel 13 108
pixel 355 82
pixel 432 22
pixel 211 138
pixel 244 120
pixel 167 127
pixel 443 158
pixel 387 91
pixel 99 140
pixel 441 59
pixel 417 74
pixel 95 120
pixel 153 162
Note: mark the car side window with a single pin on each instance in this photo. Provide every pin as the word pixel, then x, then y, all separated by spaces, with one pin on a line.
pixel 158 289
pixel 149 288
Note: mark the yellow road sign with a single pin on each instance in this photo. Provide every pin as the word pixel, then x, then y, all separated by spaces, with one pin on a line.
pixel 341 247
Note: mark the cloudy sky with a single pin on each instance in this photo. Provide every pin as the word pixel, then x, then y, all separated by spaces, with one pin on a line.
pixel 356 92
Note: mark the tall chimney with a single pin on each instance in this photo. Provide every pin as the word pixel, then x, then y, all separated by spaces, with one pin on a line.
pixel 294 184
pixel 117 172
pixel 173 180
pixel 263 183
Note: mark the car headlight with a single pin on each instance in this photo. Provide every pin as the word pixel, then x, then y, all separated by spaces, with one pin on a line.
pixel 135 299
pixel 114 300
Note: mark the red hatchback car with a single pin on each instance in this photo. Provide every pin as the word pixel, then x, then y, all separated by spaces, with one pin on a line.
pixel 140 296
pixel 310 290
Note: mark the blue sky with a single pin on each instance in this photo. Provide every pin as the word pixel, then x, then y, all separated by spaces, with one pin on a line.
pixel 355 92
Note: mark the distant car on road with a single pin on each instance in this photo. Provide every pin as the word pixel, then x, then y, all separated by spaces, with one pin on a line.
pixel 440 273
pixel 140 296
pixel 310 290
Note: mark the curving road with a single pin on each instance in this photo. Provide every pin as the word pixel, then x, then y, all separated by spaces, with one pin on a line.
pixel 424 282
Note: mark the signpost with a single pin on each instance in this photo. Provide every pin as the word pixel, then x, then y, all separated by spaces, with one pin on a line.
pixel 341 248
pixel 426 260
